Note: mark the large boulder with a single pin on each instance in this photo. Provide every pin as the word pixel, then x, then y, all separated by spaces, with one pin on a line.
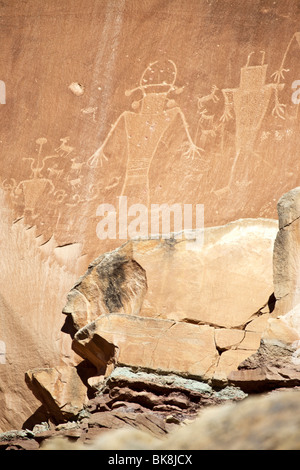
pixel 223 282
pixel 263 422
pixel 151 99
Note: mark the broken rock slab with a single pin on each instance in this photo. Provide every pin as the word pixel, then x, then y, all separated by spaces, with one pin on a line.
pixel 60 390
pixel 114 282
pixel 229 361
pixel 274 365
pixel 234 347
pixel 277 361
pixel 148 343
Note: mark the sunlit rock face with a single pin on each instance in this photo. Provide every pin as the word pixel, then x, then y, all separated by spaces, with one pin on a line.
pixel 276 363
pixel 164 116
pixel 287 252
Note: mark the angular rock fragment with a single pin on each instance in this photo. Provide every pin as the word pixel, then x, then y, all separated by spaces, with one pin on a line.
pixel 277 363
pixel 60 389
pixel 228 338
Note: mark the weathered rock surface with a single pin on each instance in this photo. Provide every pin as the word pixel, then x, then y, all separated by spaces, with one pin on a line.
pixel 267 422
pixel 222 312
pixel 83 124
pixel 122 313
pixel 33 290
pixel 60 390
pixel 126 281
pixel 276 363
pixel 152 344
pixel 127 398
pixel 262 423
pixel 168 390
pixel 223 282
pixel 212 131
pixel 18 440
pixel 152 373
pixel 114 282
pixel 287 253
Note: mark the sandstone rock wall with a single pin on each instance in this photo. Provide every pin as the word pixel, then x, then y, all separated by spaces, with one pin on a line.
pixel 142 367
pixel 161 102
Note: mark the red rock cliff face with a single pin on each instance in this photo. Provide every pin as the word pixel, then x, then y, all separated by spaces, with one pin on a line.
pixel 159 101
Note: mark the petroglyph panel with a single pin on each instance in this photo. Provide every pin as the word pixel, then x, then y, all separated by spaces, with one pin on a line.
pixel 186 102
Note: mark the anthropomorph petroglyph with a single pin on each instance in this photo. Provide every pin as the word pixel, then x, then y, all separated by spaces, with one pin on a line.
pixel 145 129
pixel 30 190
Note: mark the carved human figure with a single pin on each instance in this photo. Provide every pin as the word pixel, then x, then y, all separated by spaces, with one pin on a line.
pixel 146 129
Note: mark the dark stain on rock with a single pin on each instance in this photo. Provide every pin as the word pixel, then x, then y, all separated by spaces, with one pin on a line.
pixel 112 273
